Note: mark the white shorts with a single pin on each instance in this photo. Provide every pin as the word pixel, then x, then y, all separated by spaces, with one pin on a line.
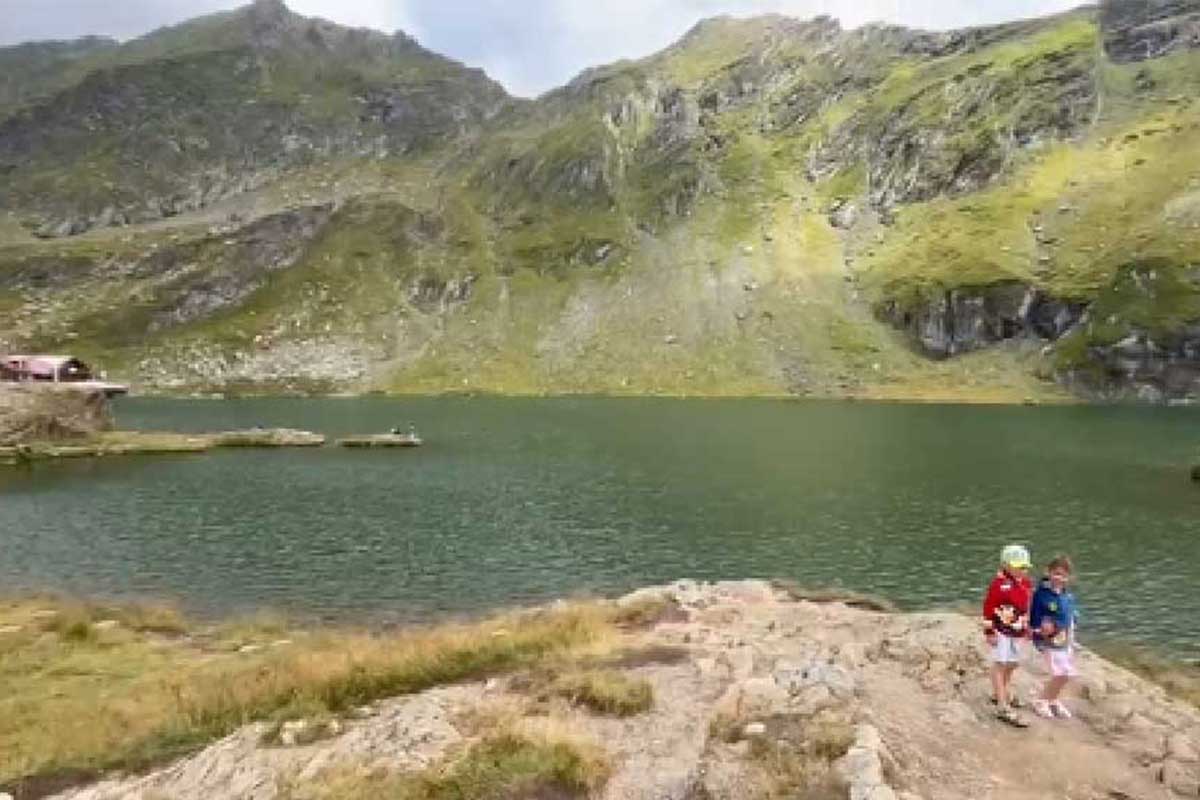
pixel 1007 650
pixel 1061 663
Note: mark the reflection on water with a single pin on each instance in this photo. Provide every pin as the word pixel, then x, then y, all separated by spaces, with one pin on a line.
pixel 515 500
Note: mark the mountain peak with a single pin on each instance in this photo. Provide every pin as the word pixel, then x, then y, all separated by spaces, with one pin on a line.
pixel 275 8
pixel 268 16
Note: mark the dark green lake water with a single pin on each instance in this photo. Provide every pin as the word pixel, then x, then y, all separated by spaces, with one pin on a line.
pixel 518 500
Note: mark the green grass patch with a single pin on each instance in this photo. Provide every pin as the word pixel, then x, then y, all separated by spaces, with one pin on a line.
pixel 1068 221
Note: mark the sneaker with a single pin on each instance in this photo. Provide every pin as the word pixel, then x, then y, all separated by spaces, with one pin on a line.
pixel 1060 711
pixel 1010 717
pixel 1043 708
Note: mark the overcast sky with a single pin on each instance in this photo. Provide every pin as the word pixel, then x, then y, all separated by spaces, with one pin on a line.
pixel 528 45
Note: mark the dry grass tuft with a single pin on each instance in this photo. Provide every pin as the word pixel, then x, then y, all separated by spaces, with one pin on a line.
pixel 605 692
pixel 795 755
pixel 76 620
pixel 795 758
pixel 147 617
pixel 81 697
pixel 513 763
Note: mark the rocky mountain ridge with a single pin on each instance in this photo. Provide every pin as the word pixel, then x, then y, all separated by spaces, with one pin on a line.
pixel 185 116
pixel 769 206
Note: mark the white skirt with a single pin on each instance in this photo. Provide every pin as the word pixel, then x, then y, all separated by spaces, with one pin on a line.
pixel 1007 649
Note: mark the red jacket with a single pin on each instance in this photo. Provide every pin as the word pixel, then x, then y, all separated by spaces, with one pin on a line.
pixel 1006 607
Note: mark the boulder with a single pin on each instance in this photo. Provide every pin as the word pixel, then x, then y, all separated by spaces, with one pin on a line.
pixel 45 413
pixel 268 437
pixel 862 767
pixel 1182 779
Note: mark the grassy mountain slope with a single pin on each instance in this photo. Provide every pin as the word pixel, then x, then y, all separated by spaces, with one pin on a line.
pixel 769 206
pixel 33 70
pixel 188 115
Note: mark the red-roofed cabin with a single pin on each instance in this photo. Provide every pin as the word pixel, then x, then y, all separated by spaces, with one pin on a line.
pixel 54 369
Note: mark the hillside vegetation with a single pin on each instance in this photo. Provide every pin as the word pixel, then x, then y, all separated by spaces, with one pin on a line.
pixel 256 201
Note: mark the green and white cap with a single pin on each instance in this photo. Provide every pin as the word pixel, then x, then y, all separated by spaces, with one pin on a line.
pixel 1015 556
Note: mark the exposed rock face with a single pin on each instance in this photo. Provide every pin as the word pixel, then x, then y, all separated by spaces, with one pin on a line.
pixel 1138 30
pixel 957 136
pixel 1138 339
pixel 747 667
pixel 965 319
pixel 1143 368
pixel 190 280
pixel 48 413
pixel 271 244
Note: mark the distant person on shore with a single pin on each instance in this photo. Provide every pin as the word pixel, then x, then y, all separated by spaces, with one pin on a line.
pixel 1005 624
pixel 1052 623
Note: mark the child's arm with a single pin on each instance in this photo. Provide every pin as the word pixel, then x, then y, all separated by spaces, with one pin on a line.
pixel 1037 615
pixel 990 601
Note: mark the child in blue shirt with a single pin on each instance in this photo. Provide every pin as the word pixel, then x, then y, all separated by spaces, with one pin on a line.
pixel 1052 623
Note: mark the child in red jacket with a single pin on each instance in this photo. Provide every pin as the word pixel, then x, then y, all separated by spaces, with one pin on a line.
pixel 1005 624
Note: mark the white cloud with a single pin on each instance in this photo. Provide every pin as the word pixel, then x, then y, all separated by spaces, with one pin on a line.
pixel 529 45
pixel 382 15
pixel 538 44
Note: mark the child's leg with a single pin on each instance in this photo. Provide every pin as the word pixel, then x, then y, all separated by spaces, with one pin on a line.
pixel 999 686
pixel 1062 667
pixel 1054 687
pixel 1009 669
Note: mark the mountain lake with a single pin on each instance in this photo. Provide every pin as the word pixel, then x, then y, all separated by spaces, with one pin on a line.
pixel 515 501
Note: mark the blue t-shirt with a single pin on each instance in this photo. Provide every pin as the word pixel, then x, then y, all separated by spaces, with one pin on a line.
pixel 1059 609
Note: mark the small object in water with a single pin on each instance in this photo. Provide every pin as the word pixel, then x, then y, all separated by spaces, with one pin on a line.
pixel 391 439
pixel 1196 473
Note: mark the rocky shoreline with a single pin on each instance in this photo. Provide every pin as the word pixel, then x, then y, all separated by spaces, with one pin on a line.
pixel 758 690
pixel 41 423
pixel 126 443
